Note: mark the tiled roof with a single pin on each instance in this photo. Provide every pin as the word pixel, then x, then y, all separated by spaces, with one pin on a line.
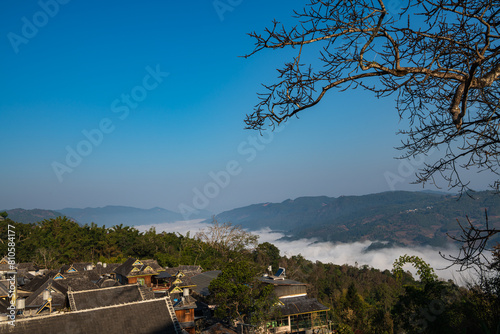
pixel 24 273
pixel 109 269
pixel 38 281
pixel 187 270
pixel 30 266
pixel 75 281
pixel 84 300
pixel 203 280
pixel 182 282
pixel 147 317
pixel 81 266
pixel 107 282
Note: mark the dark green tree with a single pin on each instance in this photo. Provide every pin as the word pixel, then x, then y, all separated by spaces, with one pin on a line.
pixel 240 296
pixel 267 254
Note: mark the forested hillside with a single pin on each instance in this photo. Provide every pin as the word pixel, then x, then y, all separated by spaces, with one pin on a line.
pixel 400 217
pixel 361 299
pixel 32 216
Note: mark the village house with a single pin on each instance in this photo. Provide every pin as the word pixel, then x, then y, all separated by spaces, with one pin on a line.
pixel 50 292
pixel 180 290
pixel 299 313
pixel 70 301
pixel 138 271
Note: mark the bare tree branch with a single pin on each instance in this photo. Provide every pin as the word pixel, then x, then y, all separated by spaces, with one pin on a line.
pixel 440 59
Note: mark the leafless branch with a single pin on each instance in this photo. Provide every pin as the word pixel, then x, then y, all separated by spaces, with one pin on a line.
pixel 440 59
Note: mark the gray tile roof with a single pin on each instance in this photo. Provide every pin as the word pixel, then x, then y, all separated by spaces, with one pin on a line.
pixel 75 281
pixel 109 269
pixel 185 269
pixel 203 280
pixel 38 281
pixel 80 266
pixel 30 266
pixel 107 282
pixel 183 282
pixel 146 317
pixel 109 296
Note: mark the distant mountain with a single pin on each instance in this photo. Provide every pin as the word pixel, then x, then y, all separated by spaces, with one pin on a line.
pixel 31 216
pixel 115 215
pixel 399 217
pixel 108 215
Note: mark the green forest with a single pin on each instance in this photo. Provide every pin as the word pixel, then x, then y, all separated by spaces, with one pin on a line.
pixel 361 299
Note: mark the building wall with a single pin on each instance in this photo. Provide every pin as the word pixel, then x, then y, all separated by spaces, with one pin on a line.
pixel 185 315
pixel 147 280
pixel 289 290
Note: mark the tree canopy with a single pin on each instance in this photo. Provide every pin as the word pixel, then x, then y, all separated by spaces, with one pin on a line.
pixel 438 58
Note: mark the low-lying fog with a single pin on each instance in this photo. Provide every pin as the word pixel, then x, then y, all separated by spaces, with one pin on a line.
pixel 327 252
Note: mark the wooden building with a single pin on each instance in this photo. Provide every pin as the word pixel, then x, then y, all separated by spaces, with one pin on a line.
pixel 299 313
pixel 184 304
pixel 138 271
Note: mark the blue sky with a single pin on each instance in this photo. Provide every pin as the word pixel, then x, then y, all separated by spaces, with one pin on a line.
pixel 152 95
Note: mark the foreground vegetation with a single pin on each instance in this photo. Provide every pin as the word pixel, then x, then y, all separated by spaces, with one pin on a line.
pixel 361 299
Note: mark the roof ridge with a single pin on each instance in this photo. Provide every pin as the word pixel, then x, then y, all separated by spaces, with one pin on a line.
pixel 106 288
pixel 91 309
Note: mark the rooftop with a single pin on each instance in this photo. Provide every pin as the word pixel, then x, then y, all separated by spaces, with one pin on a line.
pixel 148 317
pixel 203 280
pixel 95 298
pixel 272 281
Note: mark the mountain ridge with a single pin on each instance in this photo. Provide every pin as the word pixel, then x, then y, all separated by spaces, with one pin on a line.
pixel 108 215
pixel 399 217
pixel 396 217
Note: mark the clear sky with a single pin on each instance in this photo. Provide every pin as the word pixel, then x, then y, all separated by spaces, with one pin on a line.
pixel 142 103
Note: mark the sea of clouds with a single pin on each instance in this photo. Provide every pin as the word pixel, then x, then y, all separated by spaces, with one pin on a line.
pixel 338 253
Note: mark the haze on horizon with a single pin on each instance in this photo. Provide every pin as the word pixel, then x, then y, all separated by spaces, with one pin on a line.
pixel 134 104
